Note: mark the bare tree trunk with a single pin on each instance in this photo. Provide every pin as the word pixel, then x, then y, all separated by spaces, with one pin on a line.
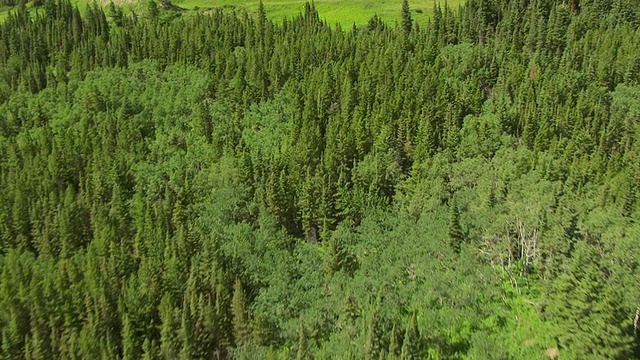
pixel 528 246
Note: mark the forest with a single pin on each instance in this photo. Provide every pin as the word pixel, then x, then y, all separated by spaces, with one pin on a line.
pixel 220 186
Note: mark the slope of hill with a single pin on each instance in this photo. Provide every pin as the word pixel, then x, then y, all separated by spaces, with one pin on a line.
pixel 344 12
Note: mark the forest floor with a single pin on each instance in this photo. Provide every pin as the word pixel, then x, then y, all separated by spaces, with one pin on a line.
pixel 344 12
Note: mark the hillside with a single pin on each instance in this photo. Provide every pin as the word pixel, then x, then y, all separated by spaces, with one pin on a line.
pixel 225 186
pixel 344 12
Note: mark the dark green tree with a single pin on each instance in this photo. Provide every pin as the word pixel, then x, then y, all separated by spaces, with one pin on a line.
pixel 456 235
pixel 303 352
pixel 407 21
pixel 240 316
pixel 374 346
pixel 411 344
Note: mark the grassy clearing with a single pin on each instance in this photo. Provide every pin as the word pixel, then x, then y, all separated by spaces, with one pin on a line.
pixel 344 12
pixel 127 5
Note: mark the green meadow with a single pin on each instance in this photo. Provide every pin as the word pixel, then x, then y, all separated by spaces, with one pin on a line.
pixel 344 12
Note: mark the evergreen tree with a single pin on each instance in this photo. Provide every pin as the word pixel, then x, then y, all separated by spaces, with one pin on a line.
pixel 394 345
pixel 187 335
pixel 129 350
pixel 573 308
pixel 336 254
pixel 152 9
pixel 456 236
pixel 407 21
pixel 411 345
pixel 169 346
pixel 630 195
pixel 303 352
pixel 239 311
pixel 374 345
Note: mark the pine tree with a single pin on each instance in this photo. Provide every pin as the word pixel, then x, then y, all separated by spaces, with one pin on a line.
pixel 374 337
pixel 72 234
pixel 222 312
pixel 630 195
pixel 411 346
pixel 149 350
pixel 573 307
pixel 308 204
pixel 129 350
pixel 40 339
pixel 303 352
pixel 394 345
pixel 187 337
pixel 169 343
pixel 262 20
pixel 336 254
pixel 152 8
pixel 456 236
pixel 239 312
pixel 407 22
pixel 411 342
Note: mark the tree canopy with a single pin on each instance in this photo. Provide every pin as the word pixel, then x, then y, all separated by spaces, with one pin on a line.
pixel 220 186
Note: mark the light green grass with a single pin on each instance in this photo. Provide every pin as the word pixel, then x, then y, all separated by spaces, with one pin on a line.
pixel 127 5
pixel 345 12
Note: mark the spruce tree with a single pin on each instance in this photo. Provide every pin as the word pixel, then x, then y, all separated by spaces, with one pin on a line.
pixel 129 346
pixel 411 345
pixel 239 311
pixel 152 8
pixel 374 336
pixel 407 22
pixel 303 352
pixel 456 236
pixel 630 195
pixel 394 345
pixel 169 342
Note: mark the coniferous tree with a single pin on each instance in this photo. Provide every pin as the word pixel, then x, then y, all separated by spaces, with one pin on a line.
pixel 169 345
pixel 456 236
pixel 630 195
pixel 374 345
pixel 411 344
pixel 128 340
pixel 394 345
pixel 407 21
pixel 303 352
pixel 152 9
pixel 187 335
pixel 239 311
pixel 336 254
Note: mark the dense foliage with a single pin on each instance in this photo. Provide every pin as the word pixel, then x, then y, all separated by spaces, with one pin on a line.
pixel 220 186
